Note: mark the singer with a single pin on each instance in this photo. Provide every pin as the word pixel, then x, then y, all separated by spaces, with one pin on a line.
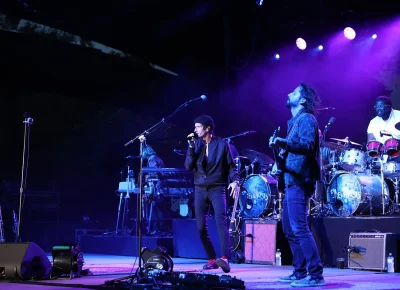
pixel 211 159
pixel 301 172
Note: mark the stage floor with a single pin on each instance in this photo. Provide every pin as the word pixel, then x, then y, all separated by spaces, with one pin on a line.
pixel 107 267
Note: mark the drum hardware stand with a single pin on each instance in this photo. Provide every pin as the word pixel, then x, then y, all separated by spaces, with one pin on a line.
pixel 383 185
pixel 252 164
pixel 396 208
pixel 369 198
pixel 142 138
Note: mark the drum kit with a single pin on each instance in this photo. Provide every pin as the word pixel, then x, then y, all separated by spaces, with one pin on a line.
pixel 355 182
pixel 359 182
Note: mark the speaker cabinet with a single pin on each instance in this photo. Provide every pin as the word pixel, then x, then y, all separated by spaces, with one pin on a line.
pixel 369 251
pixel 260 241
pixel 23 261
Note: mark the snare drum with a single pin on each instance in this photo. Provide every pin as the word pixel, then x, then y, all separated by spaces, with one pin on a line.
pixel 354 160
pixel 392 147
pixel 374 148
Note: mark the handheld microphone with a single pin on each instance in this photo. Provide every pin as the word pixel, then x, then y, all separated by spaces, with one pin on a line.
pixel 188 138
pixel 330 122
pixel 201 98
pixel 326 108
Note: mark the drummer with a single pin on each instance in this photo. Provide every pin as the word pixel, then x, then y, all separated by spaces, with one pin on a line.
pixel 383 127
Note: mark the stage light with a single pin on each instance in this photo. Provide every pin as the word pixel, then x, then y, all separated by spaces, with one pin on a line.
pixel 301 43
pixel 157 259
pixel 277 56
pixel 259 2
pixel 374 36
pixel 349 33
pixel 67 261
pixel 320 47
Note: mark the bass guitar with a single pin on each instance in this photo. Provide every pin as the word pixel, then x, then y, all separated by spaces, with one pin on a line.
pixel 235 234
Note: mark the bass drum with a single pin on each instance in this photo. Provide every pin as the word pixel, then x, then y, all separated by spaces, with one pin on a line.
pixel 256 194
pixel 350 194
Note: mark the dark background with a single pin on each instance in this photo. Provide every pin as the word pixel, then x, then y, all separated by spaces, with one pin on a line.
pixel 86 104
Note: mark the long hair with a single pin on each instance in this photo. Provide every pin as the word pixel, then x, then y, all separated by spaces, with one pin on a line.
pixel 312 98
pixel 148 151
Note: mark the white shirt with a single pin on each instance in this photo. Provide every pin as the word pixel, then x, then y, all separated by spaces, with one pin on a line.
pixel 377 124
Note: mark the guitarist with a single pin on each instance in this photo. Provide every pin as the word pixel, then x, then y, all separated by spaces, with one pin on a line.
pixel 299 153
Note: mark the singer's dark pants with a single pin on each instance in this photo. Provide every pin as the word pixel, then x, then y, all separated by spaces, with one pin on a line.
pixel 205 196
pixel 295 226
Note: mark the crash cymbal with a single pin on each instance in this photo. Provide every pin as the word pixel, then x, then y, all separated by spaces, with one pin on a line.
pixel 257 156
pixel 397 126
pixel 242 157
pixel 346 140
pixel 333 146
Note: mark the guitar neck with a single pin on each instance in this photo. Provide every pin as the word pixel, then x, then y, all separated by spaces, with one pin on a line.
pixel 234 208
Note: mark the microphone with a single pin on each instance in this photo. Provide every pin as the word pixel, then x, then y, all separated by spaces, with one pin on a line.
pixel 201 98
pixel 188 138
pixel 326 108
pixel 330 122
pixel 385 133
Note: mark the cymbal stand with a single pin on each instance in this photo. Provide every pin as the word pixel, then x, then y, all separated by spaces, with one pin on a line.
pixel 382 185
pixel 396 204
pixel 252 165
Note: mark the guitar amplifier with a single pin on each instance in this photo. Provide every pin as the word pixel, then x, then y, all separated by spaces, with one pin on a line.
pixel 260 241
pixel 369 251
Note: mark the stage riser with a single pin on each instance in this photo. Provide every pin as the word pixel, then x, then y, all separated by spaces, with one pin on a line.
pixel 332 234
pixel 124 246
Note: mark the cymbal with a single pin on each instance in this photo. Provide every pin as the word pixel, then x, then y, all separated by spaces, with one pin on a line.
pixel 258 156
pixel 333 146
pixel 346 141
pixel 397 126
pixel 242 157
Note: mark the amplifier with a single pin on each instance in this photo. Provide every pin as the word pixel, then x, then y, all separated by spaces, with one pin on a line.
pixel 260 241
pixel 369 251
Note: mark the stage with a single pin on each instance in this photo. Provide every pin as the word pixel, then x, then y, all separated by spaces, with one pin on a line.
pixel 109 267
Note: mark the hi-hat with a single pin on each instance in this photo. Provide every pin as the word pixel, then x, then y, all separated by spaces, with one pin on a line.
pixel 397 126
pixel 333 146
pixel 257 157
pixel 346 140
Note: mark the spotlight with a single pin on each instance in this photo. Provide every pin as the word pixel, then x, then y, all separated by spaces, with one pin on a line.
pixel 320 47
pixel 301 43
pixel 374 36
pixel 349 33
pixel 277 56
pixel 259 2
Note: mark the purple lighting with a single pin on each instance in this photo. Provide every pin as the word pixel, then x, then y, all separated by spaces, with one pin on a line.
pixel 301 43
pixel 349 33
pixel 320 47
pixel 374 36
pixel 277 56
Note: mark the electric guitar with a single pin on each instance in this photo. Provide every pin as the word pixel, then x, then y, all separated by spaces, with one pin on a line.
pixel 235 234
pixel 279 165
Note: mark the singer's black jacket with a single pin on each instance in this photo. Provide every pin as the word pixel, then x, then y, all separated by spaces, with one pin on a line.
pixel 220 165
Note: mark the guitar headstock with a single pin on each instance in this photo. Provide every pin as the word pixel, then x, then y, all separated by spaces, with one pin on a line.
pixel 276 132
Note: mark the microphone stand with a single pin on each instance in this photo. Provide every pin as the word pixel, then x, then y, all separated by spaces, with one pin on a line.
pixel 25 158
pixel 142 137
